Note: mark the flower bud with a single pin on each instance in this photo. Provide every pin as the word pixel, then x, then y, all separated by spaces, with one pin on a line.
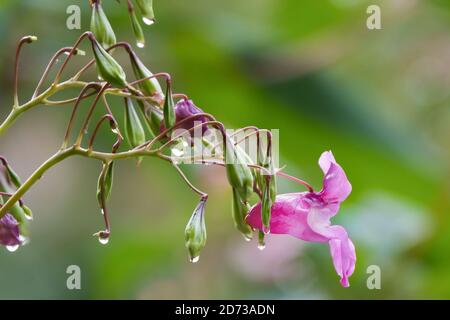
pixel 108 68
pixel 239 174
pixel 133 127
pixel 240 211
pixel 101 27
pixel 137 29
pixel 169 107
pixel 9 231
pixel 18 210
pixel 149 87
pixel 105 181
pixel 195 232
pixel 185 109
pixel 146 7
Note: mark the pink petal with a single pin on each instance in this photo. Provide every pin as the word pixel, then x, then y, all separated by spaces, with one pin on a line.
pixel 289 216
pixel 336 186
pixel 341 247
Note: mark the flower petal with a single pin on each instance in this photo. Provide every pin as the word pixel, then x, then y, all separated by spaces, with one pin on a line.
pixel 341 247
pixel 288 216
pixel 336 186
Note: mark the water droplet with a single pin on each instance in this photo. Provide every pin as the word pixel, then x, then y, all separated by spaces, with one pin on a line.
pixel 103 240
pixel 140 44
pixel 23 240
pixel 28 217
pixel 195 259
pixel 248 239
pixel 266 231
pixel 12 248
pixel 177 152
pixel 261 246
pixel 100 78
pixel 103 237
pixel 147 21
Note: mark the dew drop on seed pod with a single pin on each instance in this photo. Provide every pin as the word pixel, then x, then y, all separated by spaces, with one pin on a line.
pixel 12 248
pixel 261 246
pixel 195 259
pixel 140 44
pixel 147 21
pixel 103 240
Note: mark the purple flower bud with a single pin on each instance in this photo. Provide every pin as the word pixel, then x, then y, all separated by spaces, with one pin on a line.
pixel 184 109
pixel 9 231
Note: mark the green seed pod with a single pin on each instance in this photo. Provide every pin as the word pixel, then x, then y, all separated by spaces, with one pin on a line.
pixel 105 181
pixel 266 203
pixel 134 130
pixel 261 240
pixel 238 173
pixel 149 87
pixel 240 211
pixel 195 232
pixel 146 7
pixel 155 121
pixel 267 185
pixel 169 108
pixel 137 29
pixel 142 109
pixel 108 68
pixel 101 27
pixel 28 212
pixel 15 179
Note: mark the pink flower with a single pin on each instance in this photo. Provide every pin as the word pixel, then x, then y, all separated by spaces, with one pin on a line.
pixel 307 215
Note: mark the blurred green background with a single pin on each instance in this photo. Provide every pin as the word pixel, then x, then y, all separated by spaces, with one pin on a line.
pixel 378 99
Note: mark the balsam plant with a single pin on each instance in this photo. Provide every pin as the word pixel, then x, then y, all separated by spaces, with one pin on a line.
pixel 156 123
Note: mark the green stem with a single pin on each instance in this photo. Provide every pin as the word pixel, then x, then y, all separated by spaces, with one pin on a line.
pixel 57 158
pixel 16 112
pixel 62 155
pixel 13 115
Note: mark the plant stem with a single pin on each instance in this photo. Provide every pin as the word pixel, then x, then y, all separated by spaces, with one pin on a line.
pixel 55 159
pixel 62 155
pixel 17 111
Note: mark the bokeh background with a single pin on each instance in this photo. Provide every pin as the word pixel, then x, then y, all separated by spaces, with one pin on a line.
pixel 379 99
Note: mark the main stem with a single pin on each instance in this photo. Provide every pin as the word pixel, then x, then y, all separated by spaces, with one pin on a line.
pixel 55 159
pixel 17 111
pixel 62 155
